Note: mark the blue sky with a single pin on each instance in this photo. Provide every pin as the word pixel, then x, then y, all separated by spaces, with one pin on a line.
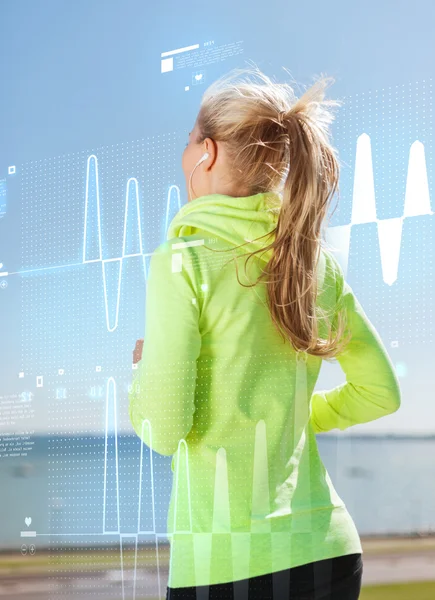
pixel 83 77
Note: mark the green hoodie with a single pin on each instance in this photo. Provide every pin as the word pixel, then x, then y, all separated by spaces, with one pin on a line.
pixel 219 389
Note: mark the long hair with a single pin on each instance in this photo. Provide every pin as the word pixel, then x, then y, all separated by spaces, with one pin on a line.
pixel 276 142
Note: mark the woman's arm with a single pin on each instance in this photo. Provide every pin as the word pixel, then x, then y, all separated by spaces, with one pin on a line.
pixel 163 387
pixel 371 390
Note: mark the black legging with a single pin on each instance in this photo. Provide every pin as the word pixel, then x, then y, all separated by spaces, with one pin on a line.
pixel 331 579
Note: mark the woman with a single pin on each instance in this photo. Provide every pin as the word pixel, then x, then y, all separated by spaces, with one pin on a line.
pixel 230 357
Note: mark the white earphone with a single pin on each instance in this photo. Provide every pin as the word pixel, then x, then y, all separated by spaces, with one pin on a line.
pixel 202 159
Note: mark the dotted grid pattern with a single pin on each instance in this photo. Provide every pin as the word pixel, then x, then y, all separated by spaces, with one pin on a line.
pixel 62 476
pixel 64 321
pixel 64 328
pixel 394 118
pixel 3 198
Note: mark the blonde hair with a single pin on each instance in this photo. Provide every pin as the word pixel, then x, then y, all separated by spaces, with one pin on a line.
pixel 276 142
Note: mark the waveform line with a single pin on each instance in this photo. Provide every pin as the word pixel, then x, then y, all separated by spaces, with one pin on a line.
pixel 416 203
pixel 92 243
pixel 111 392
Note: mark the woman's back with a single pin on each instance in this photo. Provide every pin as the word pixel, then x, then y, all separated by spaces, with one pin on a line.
pixel 251 495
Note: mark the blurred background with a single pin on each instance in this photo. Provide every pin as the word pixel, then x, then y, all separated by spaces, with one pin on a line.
pixel 97 101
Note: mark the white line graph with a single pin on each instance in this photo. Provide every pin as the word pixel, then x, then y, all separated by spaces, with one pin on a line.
pixel 416 203
pixel 92 247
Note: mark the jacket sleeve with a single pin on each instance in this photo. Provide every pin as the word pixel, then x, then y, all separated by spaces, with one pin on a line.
pixel 371 390
pixel 163 389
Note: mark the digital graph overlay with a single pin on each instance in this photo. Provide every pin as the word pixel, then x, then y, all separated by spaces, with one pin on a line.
pixel 132 243
pixel 416 203
pixel 182 523
pixel 365 203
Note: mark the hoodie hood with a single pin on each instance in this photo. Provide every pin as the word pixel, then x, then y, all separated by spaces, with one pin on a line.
pixel 235 219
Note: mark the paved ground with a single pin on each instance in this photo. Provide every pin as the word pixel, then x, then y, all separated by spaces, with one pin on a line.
pixel 395 568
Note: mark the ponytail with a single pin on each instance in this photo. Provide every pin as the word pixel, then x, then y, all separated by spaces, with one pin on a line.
pixel 293 142
pixel 312 180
